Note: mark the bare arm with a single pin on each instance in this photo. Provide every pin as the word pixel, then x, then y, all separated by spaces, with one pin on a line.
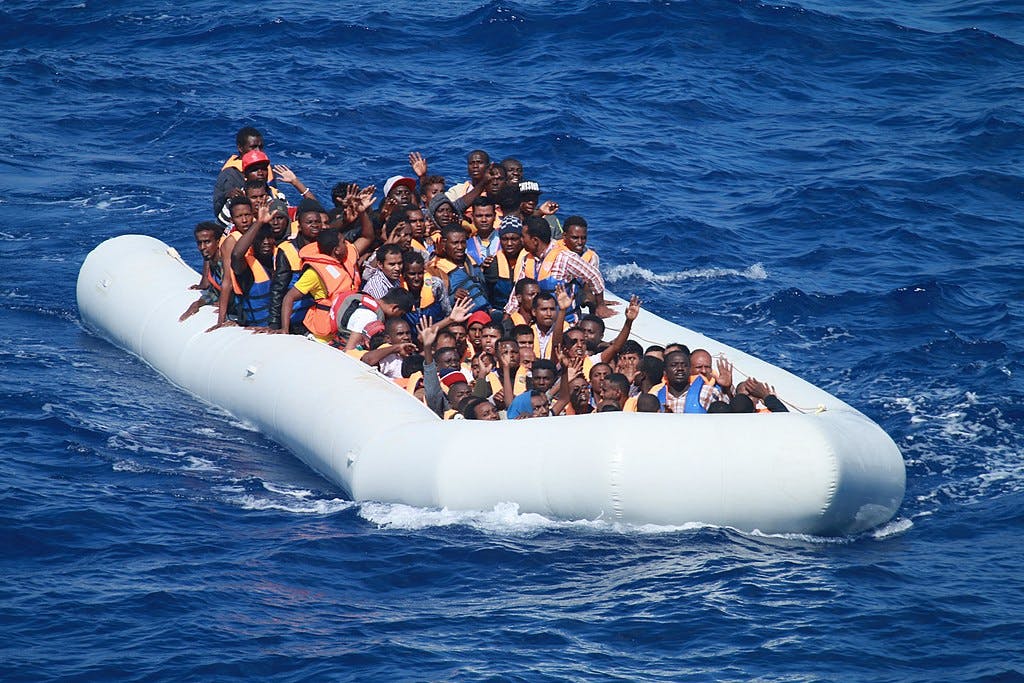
pixel 632 311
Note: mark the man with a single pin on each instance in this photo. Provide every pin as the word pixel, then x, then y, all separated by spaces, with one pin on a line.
pixel 242 217
pixel 483 246
pixel 430 187
pixel 256 174
pixel 545 314
pixel 460 276
pixel 387 273
pixel 477 165
pixel 574 238
pixel 551 267
pixel 328 274
pixel 427 291
pixel 398 346
pixel 511 245
pixel 207 235
pixel 288 267
pixel 714 386
pixel 615 391
pixel 513 169
pixel 525 291
pixel 230 180
pixel 252 258
pixel 475 329
pixel 677 394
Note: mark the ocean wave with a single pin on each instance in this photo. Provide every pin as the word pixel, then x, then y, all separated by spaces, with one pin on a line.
pixel 628 271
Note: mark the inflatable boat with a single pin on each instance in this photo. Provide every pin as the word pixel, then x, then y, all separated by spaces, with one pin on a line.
pixel 824 469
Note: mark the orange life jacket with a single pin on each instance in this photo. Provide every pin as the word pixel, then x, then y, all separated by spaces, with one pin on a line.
pixel 340 280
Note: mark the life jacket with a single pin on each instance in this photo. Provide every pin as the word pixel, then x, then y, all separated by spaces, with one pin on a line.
pixel 692 403
pixel 589 255
pixel 339 279
pixel 216 278
pixel 504 284
pixel 478 251
pixel 235 162
pixel 461 278
pixel 255 302
pixel 343 306
pixel 302 304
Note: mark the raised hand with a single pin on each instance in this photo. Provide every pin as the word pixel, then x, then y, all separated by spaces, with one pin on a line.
pixel 547 208
pixel 724 368
pixel 418 163
pixel 563 298
pixel 365 198
pixel 461 310
pixel 285 174
pixel 263 215
pixel 633 309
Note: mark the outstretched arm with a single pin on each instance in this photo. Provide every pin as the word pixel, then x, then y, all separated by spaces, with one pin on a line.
pixel 632 311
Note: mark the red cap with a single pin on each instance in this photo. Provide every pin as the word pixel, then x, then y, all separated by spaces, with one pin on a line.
pixel 479 317
pixel 453 377
pixel 373 328
pixel 254 157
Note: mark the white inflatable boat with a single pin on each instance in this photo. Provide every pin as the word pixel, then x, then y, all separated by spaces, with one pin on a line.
pixel 827 471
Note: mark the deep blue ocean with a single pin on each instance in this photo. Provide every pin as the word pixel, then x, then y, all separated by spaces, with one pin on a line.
pixel 835 187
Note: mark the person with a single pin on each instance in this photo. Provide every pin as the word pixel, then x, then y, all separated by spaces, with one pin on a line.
pixel 280 223
pixel 574 238
pixel 764 394
pixel 438 361
pixel 484 245
pixel 256 173
pixel 417 222
pixel 230 180
pixel 398 345
pixel 547 316
pixel 328 274
pixel 511 245
pixel 529 404
pixel 476 408
pixel 427 291
pixel 388 271
pixel 513 169
pixel 252 258
pixel 677 394
pixel 460 276
pixel 242 217
pixel 477 165
pixel 529 195
pixel 715 386
pixel 551 267
pixel 207 235
pixel 648 403
pixel 430 187
pixel 355 313
pixel 524 291
pixel 615 391
pixel 475 330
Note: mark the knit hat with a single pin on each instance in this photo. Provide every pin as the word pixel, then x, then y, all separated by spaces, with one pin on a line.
pixel 510 224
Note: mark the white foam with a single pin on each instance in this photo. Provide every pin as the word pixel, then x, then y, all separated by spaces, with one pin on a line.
pixel 895 527
pixel 310 507
pixel 632 270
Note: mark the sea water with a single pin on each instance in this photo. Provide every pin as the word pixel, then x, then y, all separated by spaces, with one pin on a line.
pixel 833 187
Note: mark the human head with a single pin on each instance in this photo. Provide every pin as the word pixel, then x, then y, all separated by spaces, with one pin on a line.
pixel 279 220
pixel 310 219
pixel 574 234
pixel 509 347
pixel 579 395
pixel 413 270
pixel 541 406
pixel 593 328
pixel 574 342
pixel 255 165
pixel 741 403
pixel 208 236
pixel 511 235
pixel 536 235
pixel 446 358
pixel 441 210
pixel 514 169
pixel 650 372
pixel 543 374
pixel 461 336
pixel 529 195
pixel 264 244
pixel 397 331
pixel 257 192
pixel 241 214
pixel 648 403
pixel 526 289
pixel 627 361
pixel 496 178
pixel 545 308
pixel 483 216
pixel 489 337
pixel 390 261
pixel 396 302
pixel 476 408
pixel 718 407
pixel 453 240
pixel 475 327
pixel 616 389
pixel 416 221
pixel 656 351
pixel 329 241
pixel 700 363
pixel 598 375
pixel 477 163
pixel 248 139
pixel 430 187
pixel 677 369
pixel 400 188
pixel 458 392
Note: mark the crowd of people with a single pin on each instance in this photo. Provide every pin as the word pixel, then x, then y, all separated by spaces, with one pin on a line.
pixel 475 297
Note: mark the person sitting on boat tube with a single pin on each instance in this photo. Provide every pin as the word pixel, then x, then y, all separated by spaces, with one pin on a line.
pixel 551 266
pixel 252 258
pixel 763 395
pixel 207 235
pixel 398 345
pixel 717 383
pixel 288 267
